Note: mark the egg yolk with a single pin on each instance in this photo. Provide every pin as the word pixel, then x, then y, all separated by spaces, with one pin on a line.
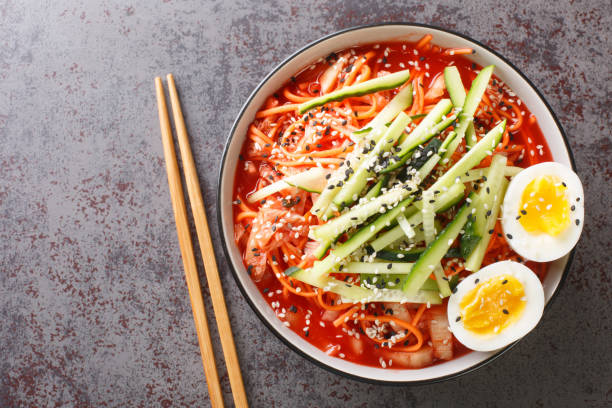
pixel 544 206
pixel 493 305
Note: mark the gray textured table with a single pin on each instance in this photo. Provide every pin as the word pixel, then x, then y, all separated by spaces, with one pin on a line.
pixel 93 302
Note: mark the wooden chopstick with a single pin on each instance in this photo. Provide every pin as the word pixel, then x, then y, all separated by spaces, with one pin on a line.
pixel 208 254
pixel 186 246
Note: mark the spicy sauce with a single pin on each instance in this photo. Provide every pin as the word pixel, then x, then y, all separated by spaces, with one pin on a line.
pixel 303 315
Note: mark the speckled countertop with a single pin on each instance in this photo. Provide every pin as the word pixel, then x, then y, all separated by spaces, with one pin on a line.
pixel 93 302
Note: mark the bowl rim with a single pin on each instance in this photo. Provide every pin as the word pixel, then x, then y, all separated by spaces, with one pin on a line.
pixel 224 238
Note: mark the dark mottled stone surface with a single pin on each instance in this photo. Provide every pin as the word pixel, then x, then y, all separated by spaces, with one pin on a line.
pixel 93 303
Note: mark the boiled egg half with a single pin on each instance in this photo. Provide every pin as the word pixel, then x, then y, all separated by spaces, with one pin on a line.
pixel 495 306
pixel 543 211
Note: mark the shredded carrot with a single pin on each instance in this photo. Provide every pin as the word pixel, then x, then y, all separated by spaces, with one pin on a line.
pixel 287 143
pixel 424 40
pixel 458 51
pixel 345 316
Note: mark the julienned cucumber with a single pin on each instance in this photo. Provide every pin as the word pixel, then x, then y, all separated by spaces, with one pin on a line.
pixel 321 208
pixel 473 97
pixel 485 198
pixel 357 215
pixel 398 104
pixel 391 281
pixel 312 180
pixel 470 104
pixel 361 294
pixel 414 216
pixel 434 253
pixel 393 255
pixel 456 91
pixel 351 190
pixel 487 209
pixel 427 128
pixel 373 85
pixel 336 255
pixel 377 267
pixel 473 262
pixel 484 147
pixel 375 190
pixel 476 174
pixel 454 86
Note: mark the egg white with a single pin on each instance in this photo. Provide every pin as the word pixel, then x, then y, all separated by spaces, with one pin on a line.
pixel 542 247
pixel 530 317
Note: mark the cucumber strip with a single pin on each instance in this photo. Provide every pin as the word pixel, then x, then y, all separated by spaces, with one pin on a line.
pixel 394 235
pixel 441 281
pixel 321 208
pixel 434 253
pixel 473 262
pixel 429 230
pixel 322 249
pixel 350 191
pixel 457 94
pixel 394 255
pixel 399 103
pixel 477 174
pixel 485 199
pixel 376 188
pixel 399 256
pixel 414 217
pixel 471 236
pixel 478 88
pixel 470 135
pixel 373 85
pixel 312 180
pixel 336 255
pixel 454 86
pixel 391 281
pixel 469 106
pixel 357 215
pixel 484 147
pixel 420 156
pixel 355 293
pixel 406 227
pixel 393 165
pixel 377 267
pixel 429 165
pixel 425 130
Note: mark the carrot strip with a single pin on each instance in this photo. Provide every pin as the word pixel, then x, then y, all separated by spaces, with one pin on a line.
pixel 345 316
pixel 424 40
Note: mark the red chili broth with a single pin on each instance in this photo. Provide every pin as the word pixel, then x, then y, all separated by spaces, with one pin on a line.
pixel 326 337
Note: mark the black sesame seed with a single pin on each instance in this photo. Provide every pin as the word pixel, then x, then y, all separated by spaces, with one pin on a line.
pixel 454 290
pixel 577 222
pixel 293 309
pixel 577 198
pixel 306 333
pixel 389 266
pixel 509 236
pixel 477 280
pixel 518 217
pixel 564 185
pixel 505 281
pixel 573 208
pixel 490 231
pixel 266 290
pixel 458 318
pixel 250 269
pixel 523 212
pixel 505 311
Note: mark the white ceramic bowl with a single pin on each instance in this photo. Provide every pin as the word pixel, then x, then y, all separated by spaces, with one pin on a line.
pixel 364 35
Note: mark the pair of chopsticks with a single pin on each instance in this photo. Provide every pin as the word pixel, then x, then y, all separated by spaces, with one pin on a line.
pixel 186 246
